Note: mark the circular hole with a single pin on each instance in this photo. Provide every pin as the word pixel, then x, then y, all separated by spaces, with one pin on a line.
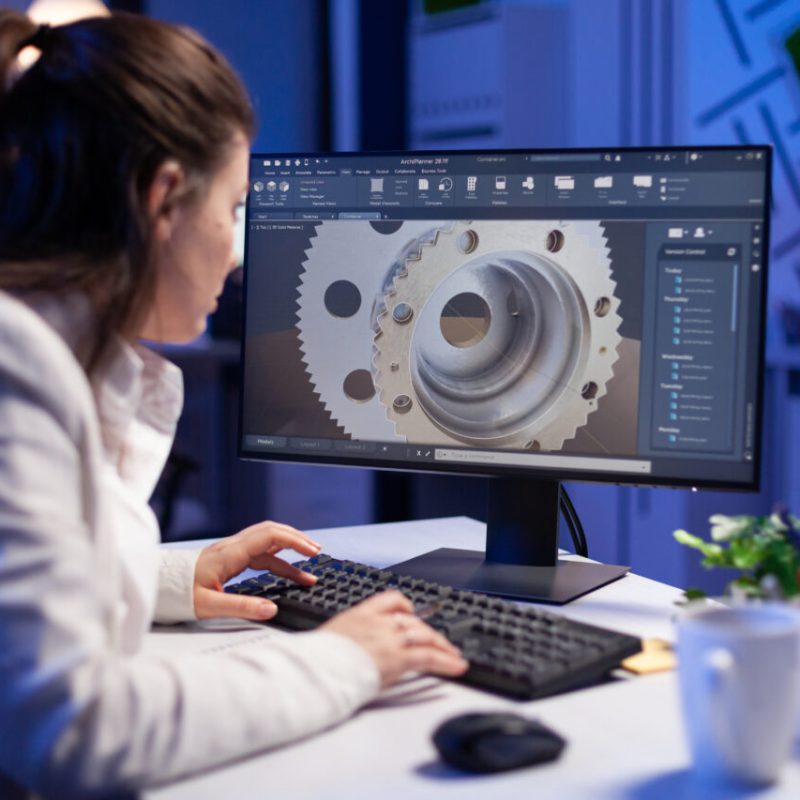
pixel 387 227
pixel 602 306
pixel 465 319
pixel 358 386
pixel 402 404
pixel 402 313
pixel 342 299
pixel 603 350
pixel 532 445
pixel 467 241
pixel 589 390
pixel 554 241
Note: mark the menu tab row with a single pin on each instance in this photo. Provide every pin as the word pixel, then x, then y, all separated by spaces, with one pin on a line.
pixel 507 189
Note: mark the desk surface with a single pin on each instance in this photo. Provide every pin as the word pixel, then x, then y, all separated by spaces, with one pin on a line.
pixel 625 737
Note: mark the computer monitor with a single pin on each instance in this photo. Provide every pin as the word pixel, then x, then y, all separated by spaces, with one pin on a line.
pixel 530 316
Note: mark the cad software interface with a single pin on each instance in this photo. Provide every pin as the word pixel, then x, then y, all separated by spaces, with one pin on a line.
pixel 596 313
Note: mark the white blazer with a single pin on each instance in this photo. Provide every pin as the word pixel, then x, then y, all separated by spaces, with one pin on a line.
pixel 82 710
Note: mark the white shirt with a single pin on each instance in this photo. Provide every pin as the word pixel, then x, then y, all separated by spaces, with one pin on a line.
pixel 82 710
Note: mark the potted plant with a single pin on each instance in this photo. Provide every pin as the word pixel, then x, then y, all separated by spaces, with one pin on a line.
pixel 764 550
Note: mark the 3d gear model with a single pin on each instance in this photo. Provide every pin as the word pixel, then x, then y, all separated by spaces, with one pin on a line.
pixel 487 334
pixel 340 294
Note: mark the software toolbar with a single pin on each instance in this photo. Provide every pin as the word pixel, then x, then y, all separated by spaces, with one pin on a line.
pixel 392 186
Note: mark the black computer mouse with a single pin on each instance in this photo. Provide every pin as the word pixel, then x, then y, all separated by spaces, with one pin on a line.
pixel 488 742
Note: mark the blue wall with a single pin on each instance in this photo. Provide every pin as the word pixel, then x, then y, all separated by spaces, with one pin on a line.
pixel 274 46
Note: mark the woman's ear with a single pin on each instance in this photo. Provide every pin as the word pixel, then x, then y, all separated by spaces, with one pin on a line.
pixel 166 188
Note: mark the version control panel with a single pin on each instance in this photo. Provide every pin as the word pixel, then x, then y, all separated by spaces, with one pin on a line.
pixel 701 287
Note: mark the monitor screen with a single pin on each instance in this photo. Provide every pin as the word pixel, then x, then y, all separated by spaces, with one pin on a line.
pixel 538 315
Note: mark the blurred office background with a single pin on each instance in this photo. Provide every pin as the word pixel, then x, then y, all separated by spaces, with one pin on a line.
pixel 427 74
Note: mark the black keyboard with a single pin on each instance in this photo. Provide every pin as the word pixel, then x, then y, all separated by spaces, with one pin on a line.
pixel 514 650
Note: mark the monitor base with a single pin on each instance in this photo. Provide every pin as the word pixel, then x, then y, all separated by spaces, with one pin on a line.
pixel 468 569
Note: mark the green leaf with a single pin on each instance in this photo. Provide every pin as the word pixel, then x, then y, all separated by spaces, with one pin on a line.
pixel 684 537
pixel 694 594
pixel 747 553
pixel 708 549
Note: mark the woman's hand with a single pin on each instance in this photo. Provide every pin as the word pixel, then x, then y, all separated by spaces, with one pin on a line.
pixel 397 640
pixel 254 547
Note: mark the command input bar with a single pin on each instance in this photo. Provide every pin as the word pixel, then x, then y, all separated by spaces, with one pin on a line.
pixel 565 157
pixel 628 465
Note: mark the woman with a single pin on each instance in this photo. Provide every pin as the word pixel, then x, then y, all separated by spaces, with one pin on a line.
pixel 123 160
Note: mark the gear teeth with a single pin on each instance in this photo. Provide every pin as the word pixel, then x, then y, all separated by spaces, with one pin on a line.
pixel 421 243
pixel 331 347
pixel 307 366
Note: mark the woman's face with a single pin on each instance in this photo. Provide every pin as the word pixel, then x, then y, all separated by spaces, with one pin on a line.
pixel 194 252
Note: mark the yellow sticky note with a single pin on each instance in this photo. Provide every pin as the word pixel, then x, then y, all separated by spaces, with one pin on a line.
pixel 656 656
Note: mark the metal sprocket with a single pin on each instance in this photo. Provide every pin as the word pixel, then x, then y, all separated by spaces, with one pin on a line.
pixel 548 351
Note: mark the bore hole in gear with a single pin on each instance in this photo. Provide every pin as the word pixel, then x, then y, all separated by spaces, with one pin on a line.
pixel 589 390
pixel 402 313
pixel 465 319
pixel 402 404
pixel 358 386
pixel 467 241
pixel 554 241
pixel 602 307
pixel 342 299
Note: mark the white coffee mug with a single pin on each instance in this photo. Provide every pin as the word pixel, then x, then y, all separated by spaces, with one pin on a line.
pixel 739 672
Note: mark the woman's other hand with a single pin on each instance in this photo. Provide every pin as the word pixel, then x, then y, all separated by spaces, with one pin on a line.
pixel 254 547
pixel 398 641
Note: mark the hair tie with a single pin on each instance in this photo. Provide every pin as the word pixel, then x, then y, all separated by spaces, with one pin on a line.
pixel 26 58
pixel 39 37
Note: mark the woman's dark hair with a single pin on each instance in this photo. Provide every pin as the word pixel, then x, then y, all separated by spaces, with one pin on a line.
pixel 82 133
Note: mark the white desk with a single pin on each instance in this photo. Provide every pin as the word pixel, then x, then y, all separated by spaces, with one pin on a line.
pixel 625 739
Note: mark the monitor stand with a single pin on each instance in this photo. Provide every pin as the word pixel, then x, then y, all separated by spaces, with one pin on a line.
pixel 521 559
